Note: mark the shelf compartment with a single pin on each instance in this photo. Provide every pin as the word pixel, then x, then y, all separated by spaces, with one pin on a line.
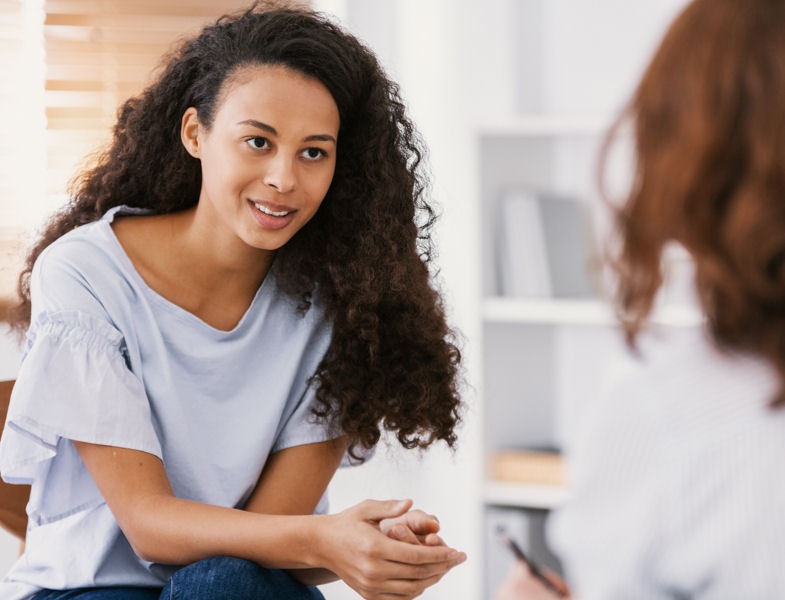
pixel 544 125
pixel 523 495
pixel 547 311
pixel 557 311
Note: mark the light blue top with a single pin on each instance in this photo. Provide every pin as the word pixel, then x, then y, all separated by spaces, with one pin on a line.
pixel 109 361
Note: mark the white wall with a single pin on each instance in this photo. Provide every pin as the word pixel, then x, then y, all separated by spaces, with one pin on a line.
pixel 417 42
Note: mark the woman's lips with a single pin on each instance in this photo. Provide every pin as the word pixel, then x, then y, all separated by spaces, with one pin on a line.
pixel 274 210
pixel 271 216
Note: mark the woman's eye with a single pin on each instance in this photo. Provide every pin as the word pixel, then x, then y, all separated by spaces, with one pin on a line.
pixel 313 153
pixel 257 143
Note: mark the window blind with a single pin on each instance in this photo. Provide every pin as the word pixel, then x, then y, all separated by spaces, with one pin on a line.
pixel 66 66
pixel 99 53
pixel 21 110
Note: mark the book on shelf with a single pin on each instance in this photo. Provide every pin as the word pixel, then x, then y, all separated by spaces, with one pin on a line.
pixel 543 244
pixel 521 254
pixel 539 467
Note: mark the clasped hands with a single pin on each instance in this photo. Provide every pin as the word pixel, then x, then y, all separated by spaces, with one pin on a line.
pixel 388 551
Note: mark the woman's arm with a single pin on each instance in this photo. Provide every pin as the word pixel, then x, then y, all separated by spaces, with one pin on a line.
pixel 163 528
pixel 294 480
pixel 292 483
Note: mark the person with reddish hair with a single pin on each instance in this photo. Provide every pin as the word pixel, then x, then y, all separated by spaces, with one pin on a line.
pixel 676 479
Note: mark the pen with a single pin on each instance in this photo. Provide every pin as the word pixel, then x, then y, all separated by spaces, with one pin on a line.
pixel 520 555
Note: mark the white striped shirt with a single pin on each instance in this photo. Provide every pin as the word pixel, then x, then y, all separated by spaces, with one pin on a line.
pixel 677 480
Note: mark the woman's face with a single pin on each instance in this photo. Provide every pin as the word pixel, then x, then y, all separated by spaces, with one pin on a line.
pixel 269 157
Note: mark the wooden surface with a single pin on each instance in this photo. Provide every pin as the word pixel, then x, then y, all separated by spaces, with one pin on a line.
pixel 528 466
pixel 13 498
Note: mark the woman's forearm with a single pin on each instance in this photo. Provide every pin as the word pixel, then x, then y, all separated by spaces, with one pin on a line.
pixel 165 529
pixel 170 530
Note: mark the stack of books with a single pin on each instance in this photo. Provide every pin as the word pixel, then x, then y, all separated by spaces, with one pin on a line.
pixel 528 466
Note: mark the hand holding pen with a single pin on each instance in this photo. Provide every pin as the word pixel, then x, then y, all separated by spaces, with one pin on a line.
pixel 527 581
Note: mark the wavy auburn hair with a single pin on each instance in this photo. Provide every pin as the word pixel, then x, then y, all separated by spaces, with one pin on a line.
pixel 392 362
pixel 708 119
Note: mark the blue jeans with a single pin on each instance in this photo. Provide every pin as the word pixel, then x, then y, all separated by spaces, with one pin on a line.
pixel 220 578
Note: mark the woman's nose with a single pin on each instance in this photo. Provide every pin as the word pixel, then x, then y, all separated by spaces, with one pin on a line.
pixel 280 173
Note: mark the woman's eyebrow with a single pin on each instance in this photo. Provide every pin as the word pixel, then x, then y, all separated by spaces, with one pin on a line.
pixel 259 125
pixel 322 137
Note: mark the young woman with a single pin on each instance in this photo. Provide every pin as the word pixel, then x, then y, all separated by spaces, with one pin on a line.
pixel 677 488
pixel 237 296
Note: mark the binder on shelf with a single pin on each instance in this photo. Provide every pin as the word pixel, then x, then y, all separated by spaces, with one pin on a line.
pixel 528 466
pixel 521 253
pixel 543 245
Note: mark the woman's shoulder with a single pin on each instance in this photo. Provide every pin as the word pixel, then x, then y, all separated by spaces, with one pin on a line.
pixel 688 362
pixel 84 252
pixel 86 263
pixel 89 247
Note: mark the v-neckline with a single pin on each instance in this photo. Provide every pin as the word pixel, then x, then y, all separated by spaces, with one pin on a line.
pixel 160 298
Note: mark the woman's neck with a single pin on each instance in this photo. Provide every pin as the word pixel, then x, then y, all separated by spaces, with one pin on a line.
pixel 209 274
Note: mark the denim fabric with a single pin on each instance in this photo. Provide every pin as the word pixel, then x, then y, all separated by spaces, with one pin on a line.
pixel 224 578
pixel 111 593
pixel 220 578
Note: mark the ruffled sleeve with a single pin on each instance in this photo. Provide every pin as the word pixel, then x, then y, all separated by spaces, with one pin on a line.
pixel 73 384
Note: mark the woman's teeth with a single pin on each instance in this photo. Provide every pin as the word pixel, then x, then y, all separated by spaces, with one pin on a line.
pixel 272 213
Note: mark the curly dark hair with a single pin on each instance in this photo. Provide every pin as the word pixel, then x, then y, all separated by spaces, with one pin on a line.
pixel 393 362
pixel 709 135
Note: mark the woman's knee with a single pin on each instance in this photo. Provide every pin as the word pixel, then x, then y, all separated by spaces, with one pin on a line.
pixel 227 578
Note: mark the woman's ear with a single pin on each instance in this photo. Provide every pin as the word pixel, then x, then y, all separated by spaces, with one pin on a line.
pixel 189 132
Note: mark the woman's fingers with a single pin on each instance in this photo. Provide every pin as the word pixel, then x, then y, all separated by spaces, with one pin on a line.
pixel 399 588
pixel 401 564
pixel 400 532
pixel 433 539
pixel 418 555
pixel 416 524
pixel 416 571
pixel 380 510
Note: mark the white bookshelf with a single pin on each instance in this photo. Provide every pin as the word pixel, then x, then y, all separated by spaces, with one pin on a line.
pixel 595 312
pixel 523 495
pixel 499 309
pixel 564 70
pixel 533 124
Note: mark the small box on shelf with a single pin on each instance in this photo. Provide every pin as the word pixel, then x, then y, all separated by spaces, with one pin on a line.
pixel 526 478
pixel 541 467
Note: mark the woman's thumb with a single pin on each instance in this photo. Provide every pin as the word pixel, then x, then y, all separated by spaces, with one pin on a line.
pixel 376 510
